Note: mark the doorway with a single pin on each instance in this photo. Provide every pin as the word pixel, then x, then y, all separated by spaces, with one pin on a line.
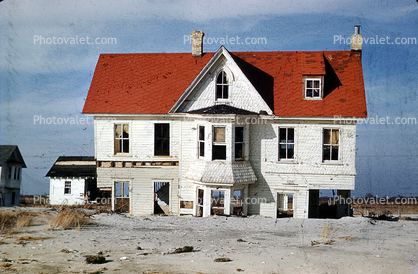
pixel 121 197
pixel 285 205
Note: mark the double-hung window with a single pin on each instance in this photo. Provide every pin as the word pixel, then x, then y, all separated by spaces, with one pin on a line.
pixel 67 187
pixel 201 142
pixel 121 138
pixel 239 143
pixel 286 143
pixel 219 145
pixel 331 144
pixel 222 86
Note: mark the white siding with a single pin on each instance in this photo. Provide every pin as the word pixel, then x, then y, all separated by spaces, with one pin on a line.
pixel 56 191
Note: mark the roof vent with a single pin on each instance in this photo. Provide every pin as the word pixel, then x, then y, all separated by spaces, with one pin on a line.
pixel 197 43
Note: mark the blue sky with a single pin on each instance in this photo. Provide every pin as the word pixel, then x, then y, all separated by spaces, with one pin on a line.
pixel 40 80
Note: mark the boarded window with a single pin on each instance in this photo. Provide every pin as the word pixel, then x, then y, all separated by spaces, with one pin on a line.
pixel 219 145
pixel 121 138
pixel 201 141
pixel 162 139
pixel 222 86
pixel 67 187
pixel 286 143
pixel 331 145
pixel 239 143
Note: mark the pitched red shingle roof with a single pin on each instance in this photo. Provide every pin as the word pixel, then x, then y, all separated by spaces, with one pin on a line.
pixel 152 83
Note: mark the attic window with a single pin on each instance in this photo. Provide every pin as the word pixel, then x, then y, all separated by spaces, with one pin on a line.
pixel 222 86
pixel 313 88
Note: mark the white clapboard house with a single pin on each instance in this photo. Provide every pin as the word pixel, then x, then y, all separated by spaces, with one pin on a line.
pixel 72 180
pixel 222 132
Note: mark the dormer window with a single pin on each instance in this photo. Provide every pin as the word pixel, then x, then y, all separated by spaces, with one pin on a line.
pixel 313 88
pixel 222 86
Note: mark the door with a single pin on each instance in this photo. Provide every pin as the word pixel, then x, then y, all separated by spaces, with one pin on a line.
pixel 121 195
pixel 200 195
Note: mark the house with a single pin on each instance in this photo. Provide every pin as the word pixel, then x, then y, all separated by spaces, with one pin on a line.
pixel 72 180
pixel 227 132
pixel 11 164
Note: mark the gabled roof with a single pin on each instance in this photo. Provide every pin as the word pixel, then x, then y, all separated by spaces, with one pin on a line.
pixel 73 166
pixel 11 154
pixel 153 83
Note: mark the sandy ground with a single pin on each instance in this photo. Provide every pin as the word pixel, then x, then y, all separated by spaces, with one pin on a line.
pixel 352 245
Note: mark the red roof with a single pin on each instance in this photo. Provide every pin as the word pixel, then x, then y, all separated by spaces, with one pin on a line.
pixel 152 83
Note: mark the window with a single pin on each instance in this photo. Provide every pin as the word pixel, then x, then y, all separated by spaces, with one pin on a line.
pixel 162 139
pixel 313 88
pixel 16 174
pixel 286 143
pixel 67 187
pixel 218 199
pixel 19 171
pixel 331 145
pixel 9 175
pixel 219 145
pixel 121 138
pixel 13 198
pixel 222 86
pixel 201 141
pixel 239 143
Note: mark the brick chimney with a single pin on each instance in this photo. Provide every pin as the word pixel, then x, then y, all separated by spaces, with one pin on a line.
pixel 197 43
pixel 356 39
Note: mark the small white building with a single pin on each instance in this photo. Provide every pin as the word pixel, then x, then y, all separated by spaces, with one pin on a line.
pixel 226 132
pixel 72 180
pixel 11 164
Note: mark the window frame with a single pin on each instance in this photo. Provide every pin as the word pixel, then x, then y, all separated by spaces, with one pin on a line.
pixel 305 87
pixel 242 143
pixel 287 143
pixel 121 139
pixel 223 85
pixel 200 141
pixel 218 143
pixel 331 161
pixel 66 187
pixel 167 139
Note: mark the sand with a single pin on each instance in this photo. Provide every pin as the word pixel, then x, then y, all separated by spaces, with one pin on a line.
pixel 253 245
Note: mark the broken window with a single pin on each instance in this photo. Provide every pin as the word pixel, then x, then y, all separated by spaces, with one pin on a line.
pixel 239 143
pixel 313 88
pixel 162 139
pixel 222 86
pixel 161 197
pixel 219 145
pixel 331 145
pixel 121 138
pixel 201 141
pixel 218 199
pixel 67 187
pixel 237 202
pixel 121 194
pixel 286 143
